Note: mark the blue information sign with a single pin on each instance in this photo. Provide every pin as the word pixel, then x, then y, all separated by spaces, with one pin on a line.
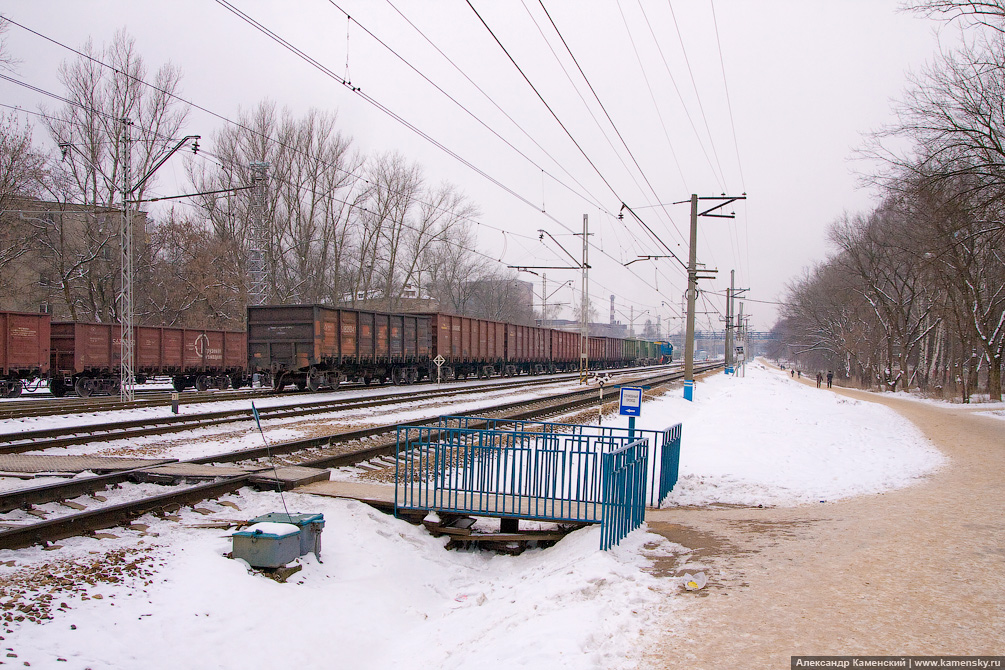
pixel 631 401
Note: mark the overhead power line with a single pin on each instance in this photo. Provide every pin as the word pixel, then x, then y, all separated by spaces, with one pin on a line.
pixel 610 120
pixel 697 95
pixel 497 106
pixel 325 70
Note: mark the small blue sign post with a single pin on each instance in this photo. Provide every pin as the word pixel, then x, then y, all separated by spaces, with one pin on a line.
pixel 631 406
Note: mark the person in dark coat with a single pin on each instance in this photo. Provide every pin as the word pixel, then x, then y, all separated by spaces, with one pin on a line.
pixel 830 378
pixel 820 378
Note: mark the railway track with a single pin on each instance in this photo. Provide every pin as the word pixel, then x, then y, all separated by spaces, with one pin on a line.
pixel 38 440
pixel 51 406
pixel 320 452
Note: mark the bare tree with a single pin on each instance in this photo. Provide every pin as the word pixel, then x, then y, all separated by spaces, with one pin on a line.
pixel 7 60
pixel 987 13
pixel 454 268
pixel 880 251
pixel 186 285
pixel 22 173
pixel 91 131
pixel 314 191
pixel 965 256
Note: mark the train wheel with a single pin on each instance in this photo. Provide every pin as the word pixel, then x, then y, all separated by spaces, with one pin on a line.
pixel 279 382
pixel 411 375
pixel 82 388
pixel 58 388
pixel 397 376
pixel 15 389
pixel 314 380
pixel 179 384
pixel 236 381
pixel 202 383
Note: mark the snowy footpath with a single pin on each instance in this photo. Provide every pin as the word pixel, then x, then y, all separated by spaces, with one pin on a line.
pixel 162 594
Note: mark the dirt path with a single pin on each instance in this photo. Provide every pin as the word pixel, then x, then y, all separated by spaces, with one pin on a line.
pixel 919 571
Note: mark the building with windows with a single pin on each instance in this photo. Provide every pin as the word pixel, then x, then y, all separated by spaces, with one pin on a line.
pixel 64 259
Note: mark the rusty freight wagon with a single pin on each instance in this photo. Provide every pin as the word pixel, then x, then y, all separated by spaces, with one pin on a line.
pixel 313 346
pixel 528 350
pixel 87 357
pixel 565 349
pixel 468 347
pixel 24 350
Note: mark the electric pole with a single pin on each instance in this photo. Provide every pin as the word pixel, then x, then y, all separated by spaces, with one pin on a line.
pixel 257 266
pixel 729 324
pixel 730 329
pixel 584 317
pixel 544 299
pixel 743 338
pixel 127 377
pixel 127 336
pixel 693 277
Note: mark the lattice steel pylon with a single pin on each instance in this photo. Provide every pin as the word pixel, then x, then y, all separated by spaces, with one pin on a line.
pixel 127 377
pixel 257 262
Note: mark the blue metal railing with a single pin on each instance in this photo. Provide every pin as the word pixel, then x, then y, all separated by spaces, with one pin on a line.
pixel 529 475
pixel 669 454
pixel 624 475
pixel 664 445
pixel 536 470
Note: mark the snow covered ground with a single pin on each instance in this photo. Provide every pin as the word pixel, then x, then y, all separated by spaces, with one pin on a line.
pixel 161 594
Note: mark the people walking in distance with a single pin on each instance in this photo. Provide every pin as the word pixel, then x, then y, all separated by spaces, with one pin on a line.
pixel 792 373
pixel 830 378
pixel 799 374
pixel 820 378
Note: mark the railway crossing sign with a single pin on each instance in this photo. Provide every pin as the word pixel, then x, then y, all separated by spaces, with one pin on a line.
pixel 439 361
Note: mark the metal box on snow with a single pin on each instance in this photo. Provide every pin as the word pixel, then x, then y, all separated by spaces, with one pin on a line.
pixel 310 526
pixel 267 545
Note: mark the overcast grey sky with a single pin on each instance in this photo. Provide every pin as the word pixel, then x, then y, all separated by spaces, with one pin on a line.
pixel 805 79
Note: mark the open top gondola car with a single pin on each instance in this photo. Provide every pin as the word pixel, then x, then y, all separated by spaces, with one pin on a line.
pixel 467 347
pixel 314 346
pixel 86 357
pixel 24 350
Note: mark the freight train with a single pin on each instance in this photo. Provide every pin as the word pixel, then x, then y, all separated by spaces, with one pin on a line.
pixel 307 346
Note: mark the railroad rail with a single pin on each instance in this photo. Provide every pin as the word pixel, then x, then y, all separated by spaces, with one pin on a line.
pixel 23 408
pixel 319 452
pixel 50 438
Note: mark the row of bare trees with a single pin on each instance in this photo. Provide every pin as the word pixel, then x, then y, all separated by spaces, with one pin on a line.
pixel 337 226
pixel 915 294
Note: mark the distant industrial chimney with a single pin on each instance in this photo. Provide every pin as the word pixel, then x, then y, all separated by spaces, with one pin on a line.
pixel 612 309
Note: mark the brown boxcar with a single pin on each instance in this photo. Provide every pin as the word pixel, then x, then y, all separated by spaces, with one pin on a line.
pixel 87 356
pixel 314 346
pixel 24 350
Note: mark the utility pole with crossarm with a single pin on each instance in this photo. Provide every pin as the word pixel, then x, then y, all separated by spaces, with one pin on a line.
pixel 693 277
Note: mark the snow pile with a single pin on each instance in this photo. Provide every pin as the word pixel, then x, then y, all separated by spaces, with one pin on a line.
pixel 766 439
pixel 387 595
